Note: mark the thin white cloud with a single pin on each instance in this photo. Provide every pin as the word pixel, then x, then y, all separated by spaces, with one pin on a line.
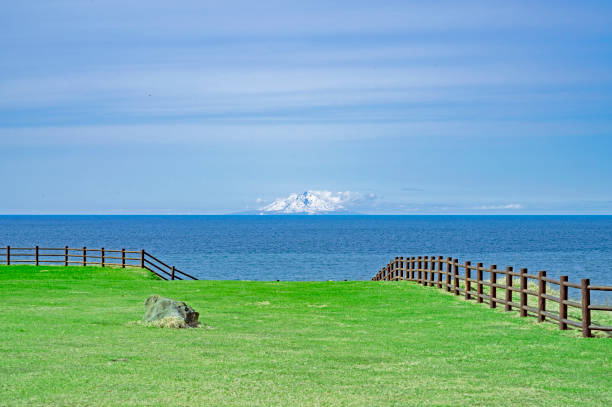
pixel 323 74
pixel 221 88
pixel 293 18
pixel 272 131
pixel 497 207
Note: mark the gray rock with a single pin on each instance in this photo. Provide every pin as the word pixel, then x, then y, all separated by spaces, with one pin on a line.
pixel 158 308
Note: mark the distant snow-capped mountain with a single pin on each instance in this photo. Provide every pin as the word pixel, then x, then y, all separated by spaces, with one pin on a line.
pixel 309 203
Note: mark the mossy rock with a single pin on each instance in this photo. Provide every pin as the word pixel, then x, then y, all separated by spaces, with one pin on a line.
pixel 158 308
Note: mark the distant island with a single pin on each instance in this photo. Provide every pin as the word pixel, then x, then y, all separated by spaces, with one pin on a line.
pixel 307 203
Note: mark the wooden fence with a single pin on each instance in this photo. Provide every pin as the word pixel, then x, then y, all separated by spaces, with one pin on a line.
pixel 447 274
pixel 84 256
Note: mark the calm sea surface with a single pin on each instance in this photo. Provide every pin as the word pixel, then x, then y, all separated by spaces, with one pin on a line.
pixel 332 247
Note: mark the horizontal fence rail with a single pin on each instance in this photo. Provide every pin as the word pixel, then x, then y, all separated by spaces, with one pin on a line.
pixel 469 281
pixel 85 256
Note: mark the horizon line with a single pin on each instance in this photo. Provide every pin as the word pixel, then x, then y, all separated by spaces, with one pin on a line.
pixel 305 214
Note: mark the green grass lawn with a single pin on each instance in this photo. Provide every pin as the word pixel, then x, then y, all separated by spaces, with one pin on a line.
pixel 67 338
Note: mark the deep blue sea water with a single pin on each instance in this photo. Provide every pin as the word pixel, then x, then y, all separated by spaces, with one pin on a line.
pixel 332 247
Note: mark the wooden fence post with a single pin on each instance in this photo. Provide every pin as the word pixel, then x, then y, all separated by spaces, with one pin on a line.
pixel 433 278
pixel 122 258
pixel 492 288
pixel 586 312
pixel 541 299
pixel 425 270
pixel 173 272
pixel 479 282
pixel 408 268
pixel 84 256
pixel 433 275
pixel 508 288
pixel 36 255
pixel 142 258
pixel 65 255
pixel 456 276
pixel 8 255
pixel 102 257
pixel 440 271
pixel 523 310
pixel 399 271
pixel 419 269
pixel 432 268
pixel 449 269
pixel 395 268
pixel 401 268
pixel 468 276
pixel 562 304
pixel 413 267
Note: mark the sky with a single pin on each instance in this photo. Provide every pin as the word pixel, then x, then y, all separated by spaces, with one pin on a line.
pixel 197 107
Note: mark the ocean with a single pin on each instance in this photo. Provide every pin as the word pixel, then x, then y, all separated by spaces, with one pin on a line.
pixel 332 247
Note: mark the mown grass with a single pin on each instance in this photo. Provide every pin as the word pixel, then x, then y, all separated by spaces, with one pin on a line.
pixel 67 338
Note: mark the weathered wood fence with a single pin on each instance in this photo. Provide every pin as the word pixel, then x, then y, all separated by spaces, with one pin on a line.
pixel 85 256
pixel 448 273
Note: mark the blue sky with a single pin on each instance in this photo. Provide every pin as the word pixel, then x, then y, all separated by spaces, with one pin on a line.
pixel 220 107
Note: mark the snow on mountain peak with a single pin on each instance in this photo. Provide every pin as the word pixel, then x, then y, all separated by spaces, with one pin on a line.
pixel 310 202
